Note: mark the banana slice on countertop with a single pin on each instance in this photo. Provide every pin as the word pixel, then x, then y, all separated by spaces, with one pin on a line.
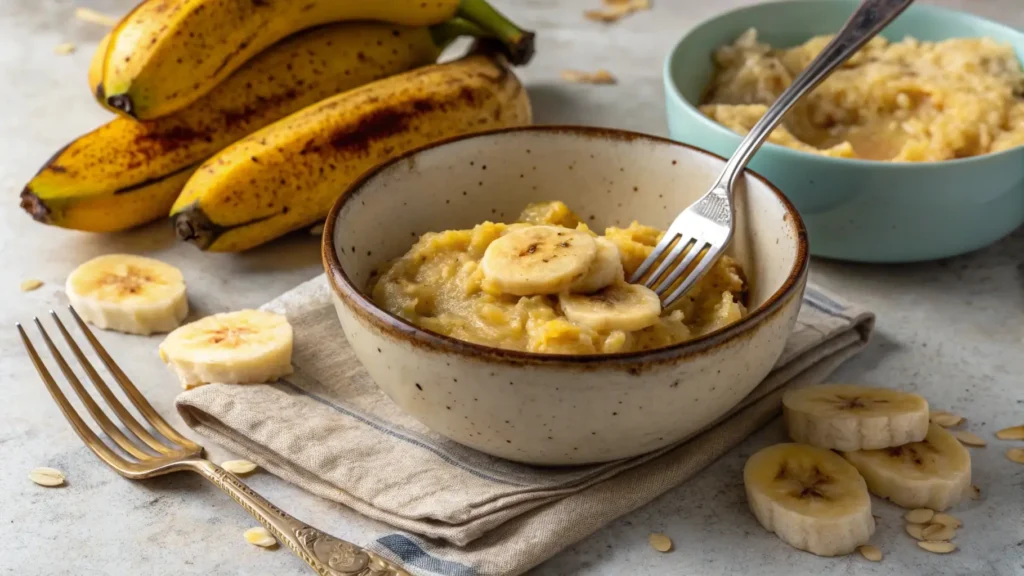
pixel 810 497
pixel 933 473
pixel 847 417
pixel 620 306
pixel 535 260
pixel 128 293
pixel 604 271
pixel 244 347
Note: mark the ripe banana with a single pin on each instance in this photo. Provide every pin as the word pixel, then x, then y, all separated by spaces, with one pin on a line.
pixel 244 347
pixel 287 175
pixel 126 172
pixel 933 473
pixel 129 294
pixel 537 260
pixel 604 271
pixel 621 306
pixel 811 498
pixel 166 54
pixel 848 418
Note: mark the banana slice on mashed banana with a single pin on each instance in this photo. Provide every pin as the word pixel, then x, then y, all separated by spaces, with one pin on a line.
pixel 535 260
pixel 604 271
pixel 243 347
pixel 848 418
pixel 810 498
pixel 621 306
pixel 128 293
pixel 934 473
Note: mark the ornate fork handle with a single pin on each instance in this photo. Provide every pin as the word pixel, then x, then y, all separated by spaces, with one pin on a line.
pixel 327 555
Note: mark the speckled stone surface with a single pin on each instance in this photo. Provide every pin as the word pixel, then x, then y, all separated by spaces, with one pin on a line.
pixel 952 331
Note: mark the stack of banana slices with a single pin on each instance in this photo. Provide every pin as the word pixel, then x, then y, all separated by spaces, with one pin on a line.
pixel 849 442
pixel 584 271
pixel 144 296
pixel 240 138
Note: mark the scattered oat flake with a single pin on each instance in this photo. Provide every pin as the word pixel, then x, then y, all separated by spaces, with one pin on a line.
pixel 1016 454
pixel 260 536
pixel 94 17
pixel 974 492
pixel 870 552
pixel 317 230
pixel 1011 433
pixel 238 467
pixel 659 542
pixel 30 285
pixel 938 532
pixel 614 10
pixel 938 547
pixel 947 520
pixel 968 438
pixel 915 531
pixel 64 49
pixel 919 516
pixel 602 76
pixel 946 419
pixel 47 476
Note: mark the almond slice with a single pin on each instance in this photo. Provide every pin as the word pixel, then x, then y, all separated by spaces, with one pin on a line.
pixel 946 419
pixel 261 537
pixel 870 552
pixel 602 76
pixel 968 438
pixel 48 477
pixel 916 531
pixel 659 542
pixel 95 17
pixel 938 547
pixel 238 467
pixel 919 516
pixel 1011 433
pixel 1016 455
pixel 947 520
pixel 938 532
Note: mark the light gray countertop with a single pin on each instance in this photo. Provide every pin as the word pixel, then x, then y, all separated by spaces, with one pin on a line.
pixel 953 331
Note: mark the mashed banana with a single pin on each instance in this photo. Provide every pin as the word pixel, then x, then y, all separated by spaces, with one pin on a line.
pixel 907 101
pixel 439 285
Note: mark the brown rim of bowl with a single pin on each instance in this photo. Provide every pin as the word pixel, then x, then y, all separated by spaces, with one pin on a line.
pixel 388 323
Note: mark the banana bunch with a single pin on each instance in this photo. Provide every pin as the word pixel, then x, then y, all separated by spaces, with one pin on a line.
pixel 817 499
pixel 191 77
pixel 287 175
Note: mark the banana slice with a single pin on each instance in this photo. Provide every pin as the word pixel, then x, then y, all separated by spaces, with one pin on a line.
pixel 620 306
pixel 604 271
pixel 845 417
pixel 811 498
pixel 537 260
pixel 933 473
pixel 244 347
pixel 129 294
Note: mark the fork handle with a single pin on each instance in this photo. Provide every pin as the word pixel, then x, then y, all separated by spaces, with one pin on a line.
pixel 869 19
pixel 325 554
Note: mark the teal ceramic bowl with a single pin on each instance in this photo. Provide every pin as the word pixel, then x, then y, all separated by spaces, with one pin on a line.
pixel 859 210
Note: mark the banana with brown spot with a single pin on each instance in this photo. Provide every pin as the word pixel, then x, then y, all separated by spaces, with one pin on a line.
pixel 287 175
pixel 127 172
pixel 166 54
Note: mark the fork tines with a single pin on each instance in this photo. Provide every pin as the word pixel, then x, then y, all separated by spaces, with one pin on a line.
pixel 138 441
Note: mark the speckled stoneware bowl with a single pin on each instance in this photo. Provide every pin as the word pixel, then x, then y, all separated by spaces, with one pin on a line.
pixel 550 409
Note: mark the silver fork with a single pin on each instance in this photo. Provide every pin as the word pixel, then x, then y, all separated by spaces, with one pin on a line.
pixel 145 456
pixel 704 229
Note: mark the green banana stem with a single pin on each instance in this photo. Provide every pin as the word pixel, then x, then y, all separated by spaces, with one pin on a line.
pixel 518 42
pixel 447 32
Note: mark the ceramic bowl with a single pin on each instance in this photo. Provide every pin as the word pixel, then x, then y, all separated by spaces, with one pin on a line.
pixel 552 409
pixel 859 210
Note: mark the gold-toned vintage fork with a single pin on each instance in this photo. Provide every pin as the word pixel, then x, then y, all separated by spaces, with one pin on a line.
pixel 145 455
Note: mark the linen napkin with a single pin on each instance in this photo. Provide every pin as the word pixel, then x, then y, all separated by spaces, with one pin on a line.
pixel 457 512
